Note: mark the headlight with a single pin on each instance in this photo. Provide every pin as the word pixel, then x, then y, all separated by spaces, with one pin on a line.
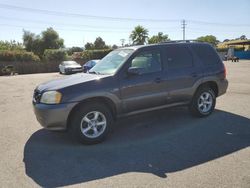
pixel 51 97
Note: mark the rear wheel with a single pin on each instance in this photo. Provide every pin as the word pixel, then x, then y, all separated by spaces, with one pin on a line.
pixel 203 102
pixel 91 123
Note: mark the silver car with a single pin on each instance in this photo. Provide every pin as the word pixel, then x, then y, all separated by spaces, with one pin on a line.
pixel 69 67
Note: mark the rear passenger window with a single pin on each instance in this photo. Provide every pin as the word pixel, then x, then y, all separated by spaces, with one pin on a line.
pixel 178 57
pixel 206 54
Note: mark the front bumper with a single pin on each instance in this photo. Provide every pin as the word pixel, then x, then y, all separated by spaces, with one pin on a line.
pixel 53 117
pixel 73 70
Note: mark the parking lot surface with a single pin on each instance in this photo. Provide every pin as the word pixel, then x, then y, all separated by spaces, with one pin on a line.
pixel 166 148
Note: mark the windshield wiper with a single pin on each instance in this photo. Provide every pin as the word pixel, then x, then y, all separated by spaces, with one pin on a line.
pixel 94 72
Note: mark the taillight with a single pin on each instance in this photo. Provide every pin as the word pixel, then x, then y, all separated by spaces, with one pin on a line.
pixel 224 71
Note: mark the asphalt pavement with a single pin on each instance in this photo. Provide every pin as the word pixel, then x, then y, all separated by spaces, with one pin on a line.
pixel 164 148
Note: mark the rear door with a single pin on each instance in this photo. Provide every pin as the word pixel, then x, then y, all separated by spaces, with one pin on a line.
pixel 147 89
pixel 182 72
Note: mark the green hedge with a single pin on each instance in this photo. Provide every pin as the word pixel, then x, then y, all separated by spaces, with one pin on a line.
pixel 54 55
pixel 222 49
pixel 27 67
pixel 236 48
pixel 7 55
pixel 87 55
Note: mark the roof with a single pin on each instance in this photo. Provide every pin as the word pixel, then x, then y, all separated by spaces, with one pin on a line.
pixel 178 42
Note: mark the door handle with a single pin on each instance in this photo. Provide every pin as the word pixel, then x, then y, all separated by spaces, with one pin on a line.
pixel 158 80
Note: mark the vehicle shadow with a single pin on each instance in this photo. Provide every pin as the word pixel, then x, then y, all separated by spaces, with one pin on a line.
pixel 157 142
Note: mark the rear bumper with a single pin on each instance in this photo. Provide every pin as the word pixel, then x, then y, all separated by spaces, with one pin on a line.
pixel 53 117
pixel 222 87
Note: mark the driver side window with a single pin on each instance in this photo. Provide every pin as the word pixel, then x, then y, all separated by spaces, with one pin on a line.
pixel 149 62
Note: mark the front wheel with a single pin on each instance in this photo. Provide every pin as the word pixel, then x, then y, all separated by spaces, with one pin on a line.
pixel 91 123
pixel 203 102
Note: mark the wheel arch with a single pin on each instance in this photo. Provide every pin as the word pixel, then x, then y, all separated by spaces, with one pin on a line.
pixel 104 100
pixel 211 84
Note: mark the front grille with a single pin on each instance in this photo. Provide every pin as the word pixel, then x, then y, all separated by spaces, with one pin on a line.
pixel 78 69
pixel 36 96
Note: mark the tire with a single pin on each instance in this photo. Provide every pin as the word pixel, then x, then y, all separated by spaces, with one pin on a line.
pixel 202 108
pixel 83 125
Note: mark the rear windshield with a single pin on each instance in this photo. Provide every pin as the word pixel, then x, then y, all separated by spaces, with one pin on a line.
pixel 206 54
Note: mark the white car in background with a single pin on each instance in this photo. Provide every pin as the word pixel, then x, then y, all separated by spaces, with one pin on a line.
pixel 69 67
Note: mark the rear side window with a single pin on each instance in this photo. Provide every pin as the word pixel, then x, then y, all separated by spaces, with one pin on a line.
pixel 207 54
pixel 178 57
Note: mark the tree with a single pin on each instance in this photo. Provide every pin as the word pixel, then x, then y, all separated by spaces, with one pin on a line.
pixel 114 47
pixel 160 37
pixel 99 43
pixel 243 37
pixel 74 49
pixel 89 46
pixel 28 40
pixel 139 35
pixel 33 43
pixel 209 39
pixel 49 39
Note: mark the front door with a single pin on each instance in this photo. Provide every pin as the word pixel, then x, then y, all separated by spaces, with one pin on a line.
pixel 146 89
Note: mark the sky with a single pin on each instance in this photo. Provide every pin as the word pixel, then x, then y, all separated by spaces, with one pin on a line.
pixel 81 21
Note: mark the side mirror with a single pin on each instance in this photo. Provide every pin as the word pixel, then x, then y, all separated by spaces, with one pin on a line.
pixel 134 71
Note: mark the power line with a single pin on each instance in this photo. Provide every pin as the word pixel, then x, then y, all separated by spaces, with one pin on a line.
pixel 214 31
pixel 218 24
pixel 67 29
pixel 67 14
pixel 70 29
pixel 70 24
pixel 58 13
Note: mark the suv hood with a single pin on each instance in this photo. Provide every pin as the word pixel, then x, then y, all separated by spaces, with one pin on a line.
pixel 69 81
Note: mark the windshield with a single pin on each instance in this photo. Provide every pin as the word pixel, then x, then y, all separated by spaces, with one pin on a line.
pixel 111 62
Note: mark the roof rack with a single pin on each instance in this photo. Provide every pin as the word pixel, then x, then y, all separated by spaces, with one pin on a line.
pixel 181 41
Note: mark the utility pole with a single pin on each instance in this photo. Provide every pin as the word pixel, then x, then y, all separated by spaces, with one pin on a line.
pixel 122 41
pixel 183 26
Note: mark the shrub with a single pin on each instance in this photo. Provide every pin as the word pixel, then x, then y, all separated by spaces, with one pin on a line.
pixel 236 48
pixel 8 70
pixel 55 55
pixel 93 54
pixel 7 55
pixel 70 51
pixel 222 49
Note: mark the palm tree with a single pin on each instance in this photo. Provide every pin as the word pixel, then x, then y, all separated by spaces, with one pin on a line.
pixel 160 37
pixel 139 35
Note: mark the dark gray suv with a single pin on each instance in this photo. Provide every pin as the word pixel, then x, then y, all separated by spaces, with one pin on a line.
pixel 132 80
